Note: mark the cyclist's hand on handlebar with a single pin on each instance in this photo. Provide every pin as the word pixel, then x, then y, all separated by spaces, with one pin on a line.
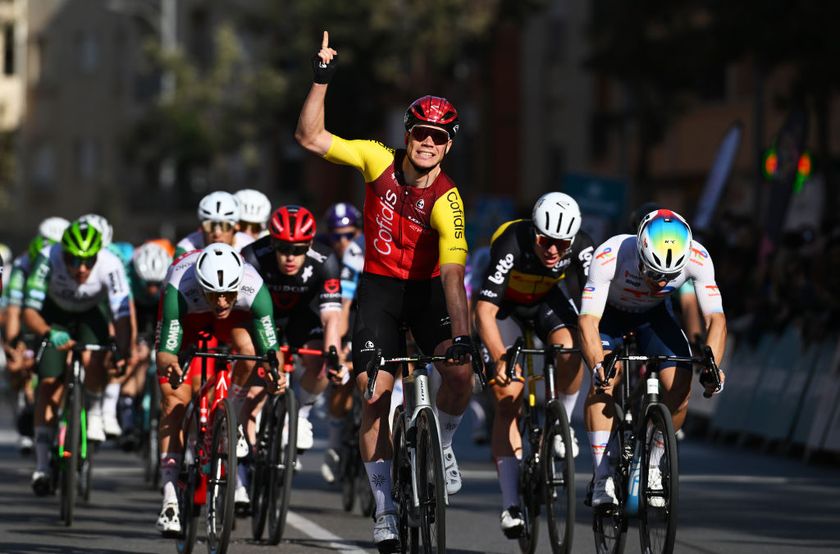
pixel 325 61
pixel 339 376
pixel 170 371
pixel 276 386
pixel 460 351
pixel 500 377
pixel 61 339
pixel 709 384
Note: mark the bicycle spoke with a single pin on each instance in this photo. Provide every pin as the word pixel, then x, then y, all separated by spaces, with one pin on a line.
pixel 659 484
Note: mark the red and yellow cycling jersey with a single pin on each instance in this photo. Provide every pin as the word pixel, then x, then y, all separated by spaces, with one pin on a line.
pixel 409 231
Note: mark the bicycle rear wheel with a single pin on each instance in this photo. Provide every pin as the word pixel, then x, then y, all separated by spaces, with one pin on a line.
pixel 70 452
pixel 282 464
pixel 221 482
pixel 189 479
pixel 610 527
pixel 658 503
pixel 558 480
pixel 260 477
pixel 430 483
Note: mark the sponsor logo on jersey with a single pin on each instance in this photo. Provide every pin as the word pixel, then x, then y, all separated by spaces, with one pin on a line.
pixel 503 266
pixel 457 213
pixel 384 220
pixel 268 329
pixel 247 289
pixel 698 256
pixel 332 286
pixel 312 253
pixel 172 337
pixel 307 273
pixel 420 204
pixel 606 256
pixel 488 293
pixel 712 290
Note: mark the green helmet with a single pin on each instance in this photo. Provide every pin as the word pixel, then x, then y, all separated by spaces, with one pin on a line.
pixel 36 245
pixel 81 240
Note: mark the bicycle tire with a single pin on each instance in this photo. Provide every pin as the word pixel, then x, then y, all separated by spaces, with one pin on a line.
pixel 282 464
pixel 658 524
pixel 221 482
pixel 151 447
pixel 430 483
pixel 401 482
pixel 259 479
pixel 189 478
pixel 530 497
pixel 70 463
pixel 610 529
pixel 558 480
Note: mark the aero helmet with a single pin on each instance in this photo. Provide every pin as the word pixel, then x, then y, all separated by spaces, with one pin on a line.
pixel 663 242
pixel 254 206
pixel 292 224
pixel 219 206
pixel 52 228
pixel 557 215
pixel 82 239
pixel 151 262
pixel 219 268
pixel 433 111
pixel 343 214
pixel 101 225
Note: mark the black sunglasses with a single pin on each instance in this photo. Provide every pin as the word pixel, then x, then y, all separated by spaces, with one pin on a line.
pixel 336 237
pixel 291 248
pixel 439 136
pixel 76 262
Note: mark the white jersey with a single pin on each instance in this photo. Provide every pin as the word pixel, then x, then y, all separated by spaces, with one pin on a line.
pixel 615 278
pixel 50 279
pixel 182 277
pixel 195 241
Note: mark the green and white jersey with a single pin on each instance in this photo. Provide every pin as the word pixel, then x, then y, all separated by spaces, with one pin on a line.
pixel 184 297
pixel 49 278
pixel 19 272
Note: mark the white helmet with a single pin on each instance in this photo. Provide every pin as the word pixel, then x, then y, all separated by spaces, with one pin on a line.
pixel 101 224
pixel 151 261
pixel 52 228
pixel 254 206
pixel 219 268
pixel 664 242
pixel 219 206
pixel 557 215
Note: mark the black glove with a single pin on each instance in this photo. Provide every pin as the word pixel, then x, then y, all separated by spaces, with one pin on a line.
pixel 323 71
pixel 461 350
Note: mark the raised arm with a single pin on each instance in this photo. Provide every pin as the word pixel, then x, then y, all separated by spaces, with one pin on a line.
pixel 310 132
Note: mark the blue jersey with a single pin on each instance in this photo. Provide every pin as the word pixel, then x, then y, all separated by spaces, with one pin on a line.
pixel 352 263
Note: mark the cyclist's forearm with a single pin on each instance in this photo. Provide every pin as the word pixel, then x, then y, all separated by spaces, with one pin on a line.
pixel 165 359
pixel 13 316
pixel 716 335
pixel 488 329
pixel 310 132
pixel 33 320
pixel 590 340
pixel 452 278
pixel 331 320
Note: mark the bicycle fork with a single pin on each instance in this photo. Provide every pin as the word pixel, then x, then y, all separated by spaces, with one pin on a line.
pixel 420 382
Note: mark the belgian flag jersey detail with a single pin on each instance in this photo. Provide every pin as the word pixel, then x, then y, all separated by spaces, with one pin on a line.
pixel 409 231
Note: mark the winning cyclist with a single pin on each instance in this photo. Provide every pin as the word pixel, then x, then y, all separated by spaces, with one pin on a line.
pixel 535 272
pixel 414 271
pixel 629 280
pixel 219 215
pixel 209 290
pixel 254 211
pixel 68 283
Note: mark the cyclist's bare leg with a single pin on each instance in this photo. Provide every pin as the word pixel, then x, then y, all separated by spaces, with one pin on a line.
pixel 456 387
pixel 375 432
pixel 314 379
pixel 505 441
pixel 569 372
pixel 676 386
pixel 173 403
pixel 257 396
pixel 599 416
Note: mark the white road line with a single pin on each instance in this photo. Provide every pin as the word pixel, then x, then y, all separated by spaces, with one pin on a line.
pixel 315 531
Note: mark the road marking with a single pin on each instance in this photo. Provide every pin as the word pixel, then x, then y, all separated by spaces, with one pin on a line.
pixel 315 531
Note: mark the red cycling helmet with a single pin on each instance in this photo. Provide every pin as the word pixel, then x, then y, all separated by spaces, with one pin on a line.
pixel 292 224
pixel 434 111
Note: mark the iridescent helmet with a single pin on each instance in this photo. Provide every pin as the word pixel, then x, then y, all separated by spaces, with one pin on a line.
pixel 663 242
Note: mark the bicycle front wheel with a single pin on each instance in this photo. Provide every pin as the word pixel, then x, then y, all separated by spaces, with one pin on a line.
pixel 659 483
pixel 260 478
pixel 430 483
pixel 189 480
pixel 401 479
pixel 70 451
pixel 282 464
pixel 558 475
pixel 221 482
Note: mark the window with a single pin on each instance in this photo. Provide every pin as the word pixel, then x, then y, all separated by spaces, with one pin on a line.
pixel 87 159
pixel 43 167
pixel 87 44
pixel 9 49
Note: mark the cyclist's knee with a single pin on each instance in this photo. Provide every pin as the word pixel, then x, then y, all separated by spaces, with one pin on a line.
pixel 459 379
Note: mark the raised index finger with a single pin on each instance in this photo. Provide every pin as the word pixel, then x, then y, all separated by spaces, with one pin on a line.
pixel 325 41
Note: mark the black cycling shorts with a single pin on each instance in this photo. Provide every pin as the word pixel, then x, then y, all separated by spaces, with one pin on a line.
pixel 300 326
pixel 555 311
pixel 385 305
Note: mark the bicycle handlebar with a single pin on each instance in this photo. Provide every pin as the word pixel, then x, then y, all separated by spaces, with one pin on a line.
pixel 518 350
pixel 184 360
pixel 711 375
pixel 78 348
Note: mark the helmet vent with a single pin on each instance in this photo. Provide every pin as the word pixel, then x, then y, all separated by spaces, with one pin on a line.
pixel 221 276
pixel 668 258
pixel 559 222
pixel 679 261
pixel 571 223
pixel 656 259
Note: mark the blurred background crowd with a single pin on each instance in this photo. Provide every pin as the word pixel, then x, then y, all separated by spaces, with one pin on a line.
pixel 135 109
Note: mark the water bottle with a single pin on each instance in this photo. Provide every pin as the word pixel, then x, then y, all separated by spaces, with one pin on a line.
pixel 632 504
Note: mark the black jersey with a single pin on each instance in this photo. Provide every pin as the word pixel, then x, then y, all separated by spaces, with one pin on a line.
pixel 517 276
pixel 319 276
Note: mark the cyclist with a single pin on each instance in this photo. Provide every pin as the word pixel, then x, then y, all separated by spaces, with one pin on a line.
pixel 535 270
pixel 149 265
pixel 19 343
pixel 414 270
pixel 630 278
pixel 207 290
pixel 62 301
pixel 219 215
pixel 254 210
pixel 344 235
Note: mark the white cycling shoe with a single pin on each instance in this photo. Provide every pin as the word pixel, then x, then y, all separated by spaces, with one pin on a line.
pixel 512 522
pixel 169 520
pixel 386 534
pixel 560 446
pixel 654 485
pixel 451 471
pixel 603 493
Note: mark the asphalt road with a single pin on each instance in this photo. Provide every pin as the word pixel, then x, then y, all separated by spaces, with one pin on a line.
pixel 732 500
